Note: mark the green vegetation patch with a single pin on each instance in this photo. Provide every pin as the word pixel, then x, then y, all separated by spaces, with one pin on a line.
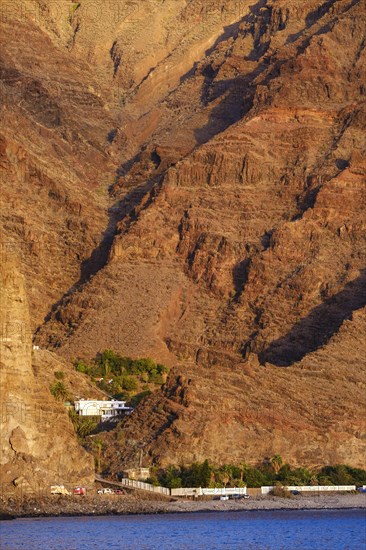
pixel 271 472
pixel 83 425
pixel 122 377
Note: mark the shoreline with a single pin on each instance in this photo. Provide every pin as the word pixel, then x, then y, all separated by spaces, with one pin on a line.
pixel 116 505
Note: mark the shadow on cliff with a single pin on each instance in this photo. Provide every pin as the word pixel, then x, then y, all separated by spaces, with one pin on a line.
pixel 240 276
pixel 314 16
pixel 233 104
pixel 116 213
pixel 235 95
pixel 121 210
pixel 99 256
pixel 315 330
pixel 229 31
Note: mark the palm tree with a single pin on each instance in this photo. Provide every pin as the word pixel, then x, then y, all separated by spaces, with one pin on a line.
pixel 99 445
pixel 225 474
pixel 276 462
pixel 85 426
pixel 243 468
pixel 59 391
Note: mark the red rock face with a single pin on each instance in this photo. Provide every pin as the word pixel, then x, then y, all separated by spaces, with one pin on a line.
pixel 235 250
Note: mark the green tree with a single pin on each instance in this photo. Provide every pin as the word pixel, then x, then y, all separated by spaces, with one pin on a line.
pixel 300 476
pixel 171 478
pixel 59 391
pixel 108 362
pixel 81 366
pixel 156 379
pixel 284 474
pixel 86 426
pixel 197 475
pixel 153 480
pixel 321 480
pixel 357 474
pixel 129 383
pixel 253 477
pixel 83 425
pixel 243 466
pixel 338 475
pixel 224 474
pixel 135 400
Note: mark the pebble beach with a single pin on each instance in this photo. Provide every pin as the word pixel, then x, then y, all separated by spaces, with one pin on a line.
pixel 100 505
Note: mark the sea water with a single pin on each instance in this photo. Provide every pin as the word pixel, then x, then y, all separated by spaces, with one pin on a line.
pixel 251 530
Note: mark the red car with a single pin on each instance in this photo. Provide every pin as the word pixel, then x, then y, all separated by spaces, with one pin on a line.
pixel 79 491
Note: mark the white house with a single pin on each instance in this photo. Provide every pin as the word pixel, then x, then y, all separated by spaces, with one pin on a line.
pixel 106 409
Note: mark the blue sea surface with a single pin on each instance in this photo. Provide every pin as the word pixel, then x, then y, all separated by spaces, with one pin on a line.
pixel 252 530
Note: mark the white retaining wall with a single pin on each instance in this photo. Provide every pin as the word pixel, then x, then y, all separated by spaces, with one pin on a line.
pixel 207 491
pixel 312 488
pixel 198 491
pixel 144 486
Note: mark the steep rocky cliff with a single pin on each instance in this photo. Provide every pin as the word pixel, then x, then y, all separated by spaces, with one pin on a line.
pixel 38 443
pixel 234 247
pixel 55 165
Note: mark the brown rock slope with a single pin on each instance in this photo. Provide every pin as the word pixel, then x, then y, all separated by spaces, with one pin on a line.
pixel 54 162
pixel 76 80
pixel 46 363
pixel 38 444
pixel 239 250
pixel 311 413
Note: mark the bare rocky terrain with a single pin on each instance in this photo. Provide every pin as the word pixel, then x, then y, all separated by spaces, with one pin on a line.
pixel 196 193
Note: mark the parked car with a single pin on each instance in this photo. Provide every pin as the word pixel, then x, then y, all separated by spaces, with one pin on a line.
pixel 224 497
pixel 119 492
pixel 295 492
pixel 105 491
pixel 79 491
pixel 362 489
